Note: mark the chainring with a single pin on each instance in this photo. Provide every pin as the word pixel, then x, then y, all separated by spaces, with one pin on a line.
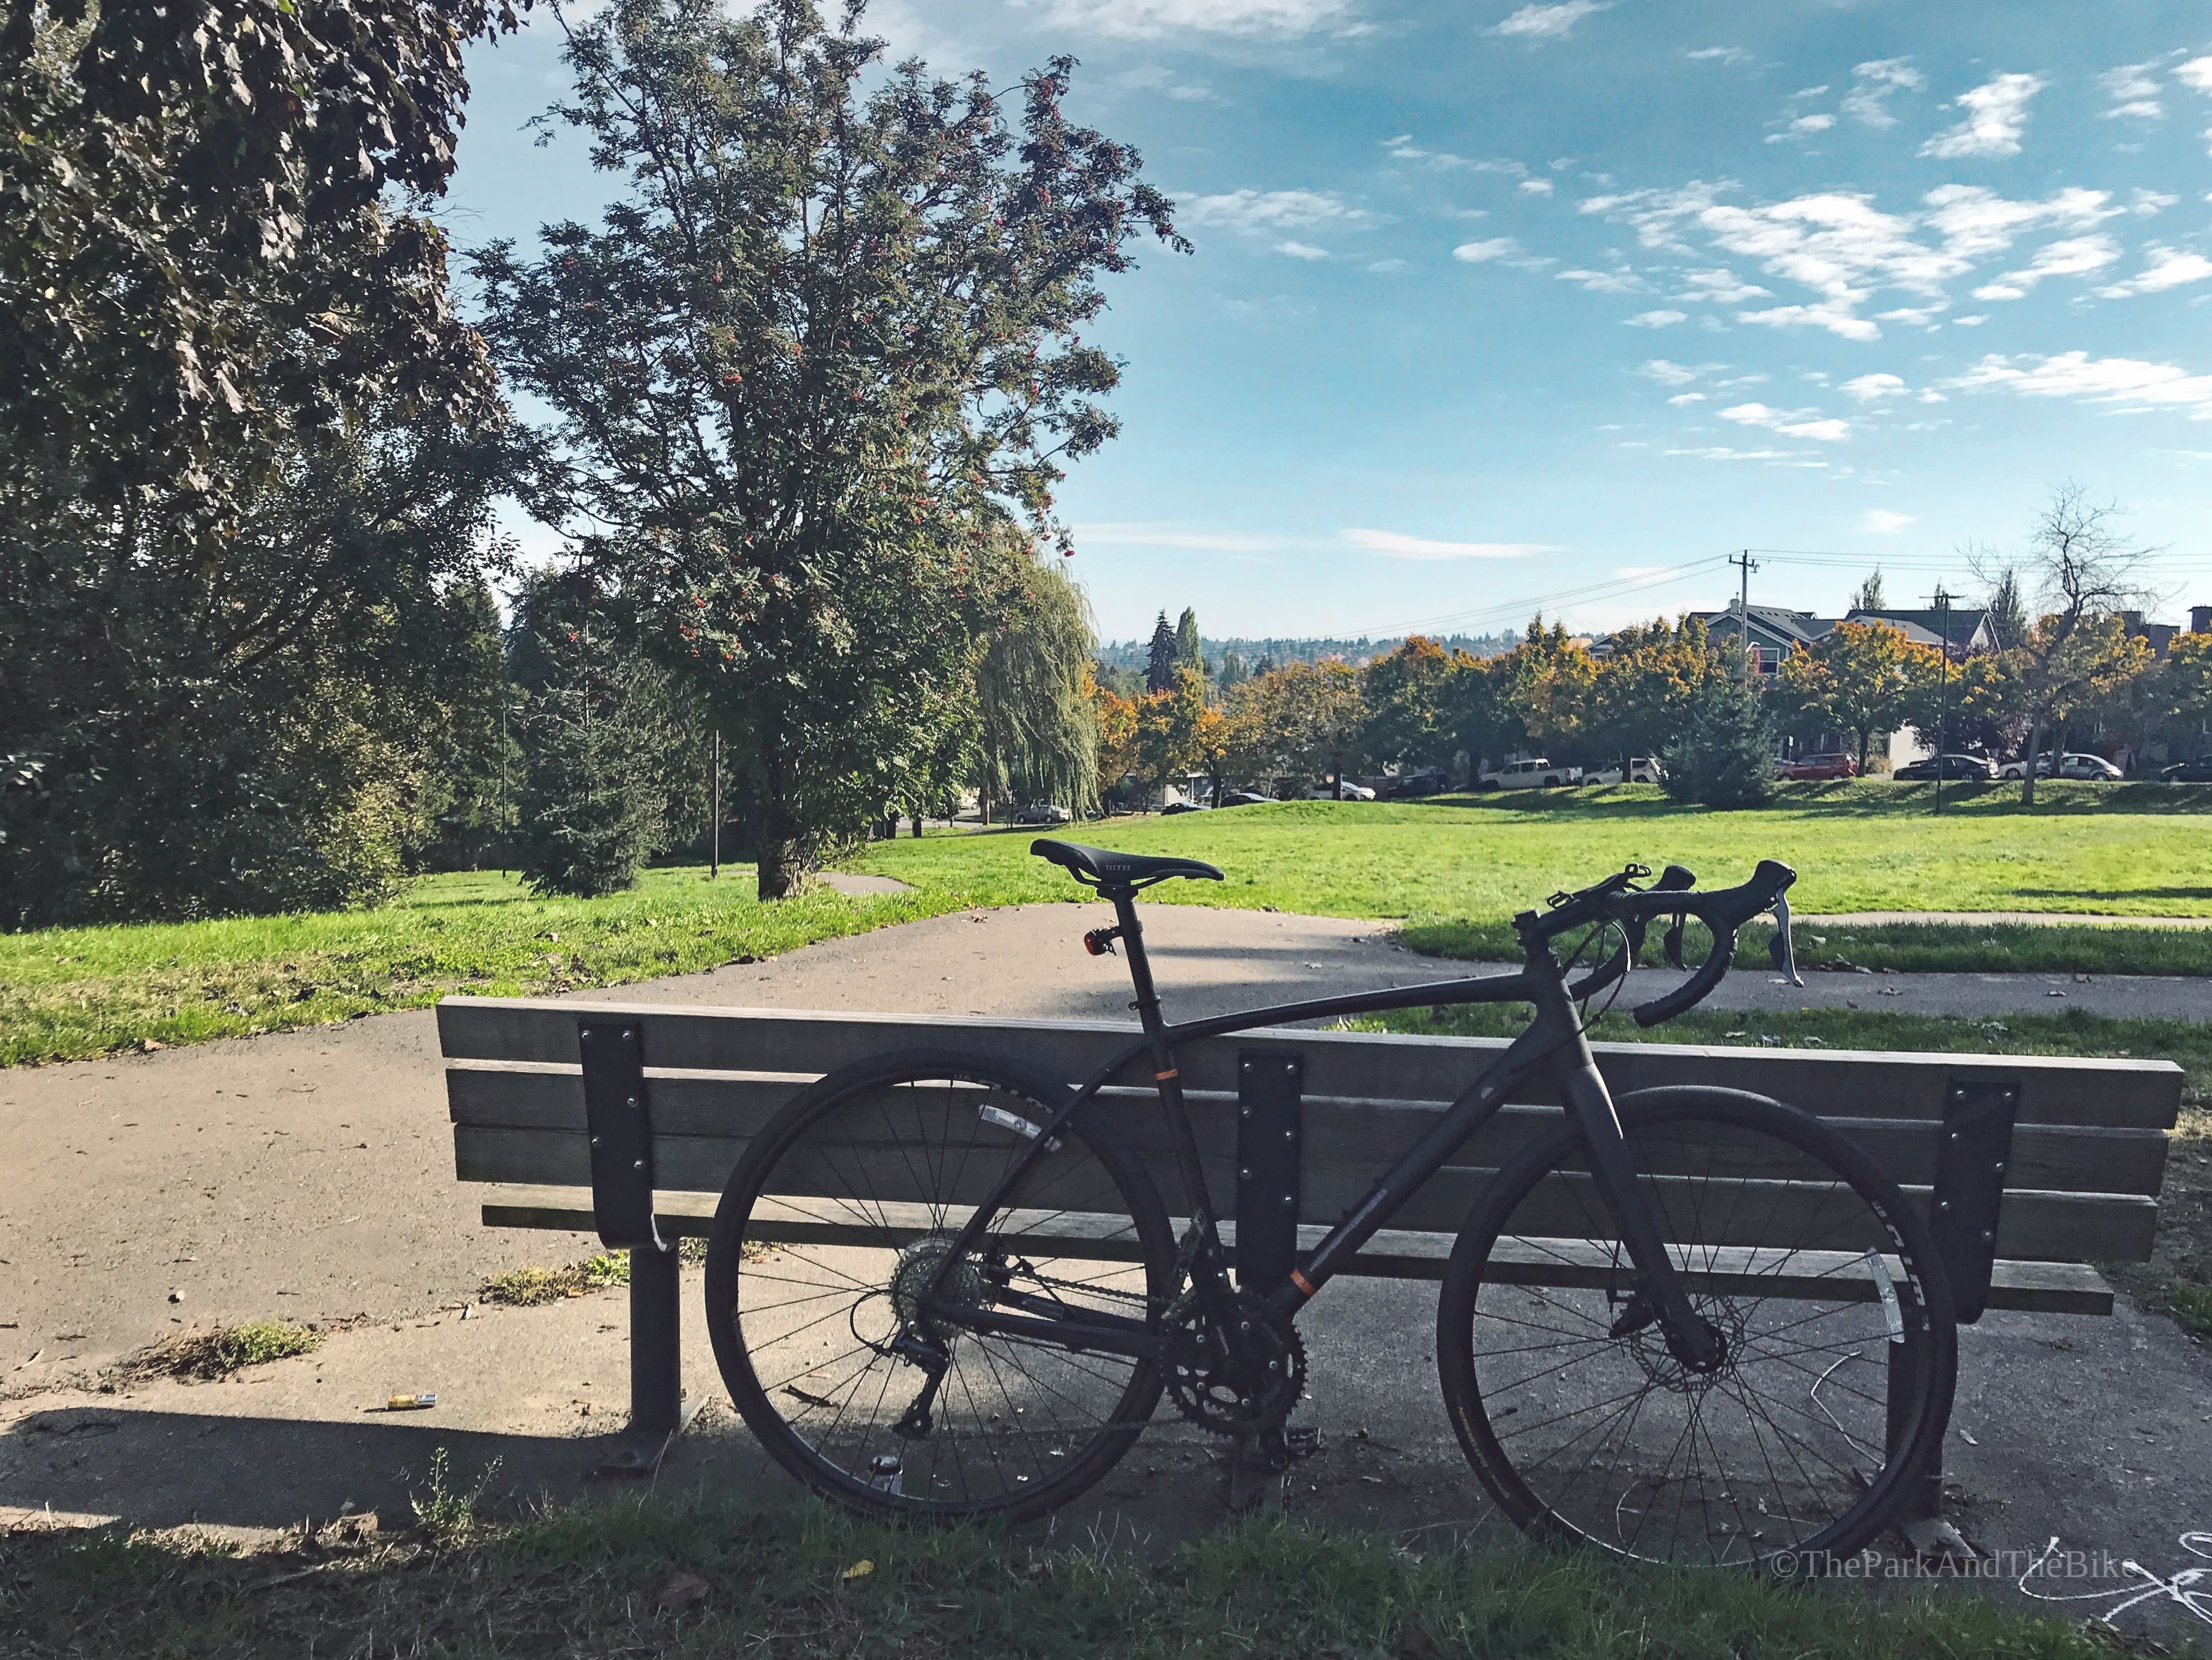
pixel 1254 1387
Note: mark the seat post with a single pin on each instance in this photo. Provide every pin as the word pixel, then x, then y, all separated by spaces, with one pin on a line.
pixel 1140 968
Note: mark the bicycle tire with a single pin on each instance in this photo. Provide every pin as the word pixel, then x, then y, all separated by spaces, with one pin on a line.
pixel 1016 1428
pixel 1790 1483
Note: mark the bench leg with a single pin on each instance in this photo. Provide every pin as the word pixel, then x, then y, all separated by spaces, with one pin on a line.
pixel 658 1411
pixel 1921 1519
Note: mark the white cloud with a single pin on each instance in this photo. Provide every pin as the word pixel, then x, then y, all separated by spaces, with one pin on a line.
pixel 1192 92
pixel 1495 247
pixel 1302 250
pixel 2075 256
pixel 1722 288
pixel 1997 111
pixel 1672 375
pixel 1604 281
pixel 1968 322
pixel 1272 209
pixel 1537 187
pixel 2128 382
pixel 1873 388
pixel 1657 319
pixel 1682 399
pixel 1389 266
pixel 2169 268
pixel 2148 201
pixel 1149 20
pixel 1880 521
pixel 1843 248
pixel 2196 74
pixel 1138 533
pixel 1719 55
pixel 1803 126
pixel 1793 424
pixel 1915 316
pixel 2134 92
pixel 1542 22
pixel 1392 545
pixel 1722 453
pixel 1872 84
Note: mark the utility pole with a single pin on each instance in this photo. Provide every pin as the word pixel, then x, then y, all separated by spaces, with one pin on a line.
pixel 1744 562
pixel 714 806
pixel 1942 602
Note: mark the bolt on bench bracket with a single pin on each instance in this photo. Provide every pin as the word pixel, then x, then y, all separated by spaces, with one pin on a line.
pixel 617 1117
pixel 1270 1084
pixel 1970 1161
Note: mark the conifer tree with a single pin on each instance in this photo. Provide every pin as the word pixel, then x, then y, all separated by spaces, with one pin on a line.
pixel 1160 670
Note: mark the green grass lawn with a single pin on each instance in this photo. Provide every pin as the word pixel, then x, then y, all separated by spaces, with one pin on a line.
pixel 1453 871
pixel 692 1576
pixel 2142 851
pixel 72 992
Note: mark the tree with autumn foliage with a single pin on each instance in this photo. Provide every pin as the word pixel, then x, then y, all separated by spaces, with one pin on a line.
pixel 1648 691
pixel 1864 679
pixel 825 345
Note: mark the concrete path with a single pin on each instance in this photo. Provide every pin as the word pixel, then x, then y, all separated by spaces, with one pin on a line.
pixel 309 1175
pixel 1968 919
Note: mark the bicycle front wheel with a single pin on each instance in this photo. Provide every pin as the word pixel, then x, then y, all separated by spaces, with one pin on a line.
pixel 1839 1343
pixel 839 1219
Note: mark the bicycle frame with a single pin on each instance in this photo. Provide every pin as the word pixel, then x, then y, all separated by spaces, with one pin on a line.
pixel 1554 1036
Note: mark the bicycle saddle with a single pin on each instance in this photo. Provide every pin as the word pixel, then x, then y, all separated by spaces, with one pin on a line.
pixel 1104 867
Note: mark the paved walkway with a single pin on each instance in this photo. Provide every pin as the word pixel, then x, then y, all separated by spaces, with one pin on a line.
pixel 1968 919
pixel 309 1174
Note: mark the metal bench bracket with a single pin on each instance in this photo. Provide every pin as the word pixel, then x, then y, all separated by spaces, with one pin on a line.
pixel 618 1117
pixel 1270 1139
pixel 1970 1161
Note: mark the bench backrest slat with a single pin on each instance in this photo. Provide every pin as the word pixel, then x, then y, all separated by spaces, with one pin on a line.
pixel 1375 1066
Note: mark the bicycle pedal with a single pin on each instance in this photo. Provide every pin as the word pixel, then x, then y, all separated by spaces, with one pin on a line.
pixel 1301 1441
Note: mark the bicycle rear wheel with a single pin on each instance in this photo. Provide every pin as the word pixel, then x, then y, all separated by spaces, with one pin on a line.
pixel 1840 1345
pixel 845 1207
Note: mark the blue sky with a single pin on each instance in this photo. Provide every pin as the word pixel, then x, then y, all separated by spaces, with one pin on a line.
pixel 1564 303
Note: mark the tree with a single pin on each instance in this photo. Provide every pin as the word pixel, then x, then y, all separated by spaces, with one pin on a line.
pixel 1160 666
pixel 2085 573
pixel 1189 653
pixel 1038 725
pixel 597 711
pixel 1233 673
pixel 1864 679
pixel 2184 694
pixel 2006 608
pixel 1725 757
pixel 1169 727
pixel 1304 720
pixel 255 732
pixel 1413 699
pixel 1867 596
pixel 1646 691
pixel 824 347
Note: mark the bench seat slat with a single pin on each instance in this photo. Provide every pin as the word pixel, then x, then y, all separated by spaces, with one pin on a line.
pixel 2119 1093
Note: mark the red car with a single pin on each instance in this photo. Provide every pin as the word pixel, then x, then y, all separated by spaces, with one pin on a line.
pixel 1821 766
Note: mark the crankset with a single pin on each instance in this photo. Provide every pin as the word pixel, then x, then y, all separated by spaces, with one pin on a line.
pixel 1240 1376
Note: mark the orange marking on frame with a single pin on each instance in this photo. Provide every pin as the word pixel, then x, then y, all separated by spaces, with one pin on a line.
pixel 1162 1076
pixel 1302 1282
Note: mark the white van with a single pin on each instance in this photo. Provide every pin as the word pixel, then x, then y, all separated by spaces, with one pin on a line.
pixel 1538 774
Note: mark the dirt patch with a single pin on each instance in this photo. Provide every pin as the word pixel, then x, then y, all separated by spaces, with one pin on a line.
pixel 2177 1279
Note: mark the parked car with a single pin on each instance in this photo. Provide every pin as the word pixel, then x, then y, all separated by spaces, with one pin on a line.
pixel 1352 792
pixel 1636 769
pixel 1246 798
pixel 1820 766
pixel 1431 781
pixel 2070 765
pixel 1974 767
pixel 1538 774
pixel 2198 771
pixel 1174 807
pixel 1044 813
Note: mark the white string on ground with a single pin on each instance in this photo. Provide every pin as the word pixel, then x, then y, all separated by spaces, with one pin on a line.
pixel 2189 1589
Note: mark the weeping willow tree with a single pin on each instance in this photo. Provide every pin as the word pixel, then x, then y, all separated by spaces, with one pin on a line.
pixel 1036 736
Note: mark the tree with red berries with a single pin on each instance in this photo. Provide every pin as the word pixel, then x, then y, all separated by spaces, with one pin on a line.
pixel 810 367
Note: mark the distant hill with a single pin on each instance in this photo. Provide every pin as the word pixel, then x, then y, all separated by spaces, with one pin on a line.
pixel 1136 654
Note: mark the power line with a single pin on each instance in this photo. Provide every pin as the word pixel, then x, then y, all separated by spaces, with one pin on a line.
pixel 1655 579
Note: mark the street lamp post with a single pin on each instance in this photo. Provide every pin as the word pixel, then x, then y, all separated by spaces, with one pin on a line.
pixel 1942 687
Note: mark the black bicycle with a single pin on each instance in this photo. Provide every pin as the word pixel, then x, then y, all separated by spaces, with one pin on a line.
pixel 943 1286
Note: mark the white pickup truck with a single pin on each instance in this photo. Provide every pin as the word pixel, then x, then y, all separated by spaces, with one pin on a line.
pixel 1527 774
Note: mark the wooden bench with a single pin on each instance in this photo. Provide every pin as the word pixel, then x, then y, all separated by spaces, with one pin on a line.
pixel 2034 1168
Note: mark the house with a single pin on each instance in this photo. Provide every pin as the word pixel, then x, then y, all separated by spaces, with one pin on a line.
pixel 2161 636
pixel 1775 631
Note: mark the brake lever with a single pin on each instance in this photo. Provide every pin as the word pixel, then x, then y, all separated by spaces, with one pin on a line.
pixel 1670 944
pixel 1782 950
